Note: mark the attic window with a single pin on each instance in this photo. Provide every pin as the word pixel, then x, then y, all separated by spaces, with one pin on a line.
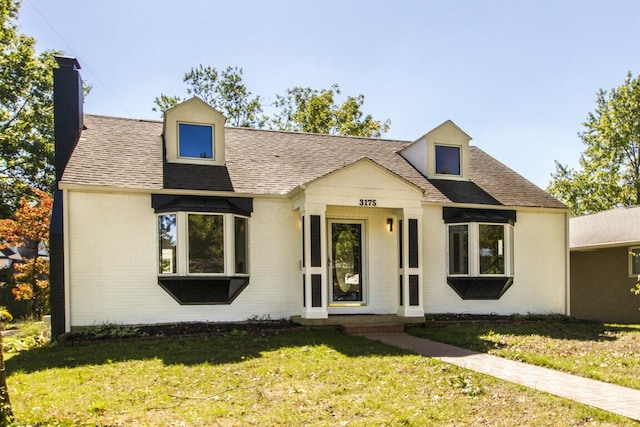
pixel 195 141
pixel 447 160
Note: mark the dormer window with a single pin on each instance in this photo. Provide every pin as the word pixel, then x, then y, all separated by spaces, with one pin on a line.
pixel 194 134
pixel 442 153
pixel 447 160
pixel 195 141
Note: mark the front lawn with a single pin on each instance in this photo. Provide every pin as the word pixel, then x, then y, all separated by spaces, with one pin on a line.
pixel 604 352
pixel 269 378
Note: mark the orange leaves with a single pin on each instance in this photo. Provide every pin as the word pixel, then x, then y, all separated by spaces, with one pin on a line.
pixel 31 225
pixel 30 230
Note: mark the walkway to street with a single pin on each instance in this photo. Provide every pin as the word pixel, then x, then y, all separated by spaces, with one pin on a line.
pixel 620 400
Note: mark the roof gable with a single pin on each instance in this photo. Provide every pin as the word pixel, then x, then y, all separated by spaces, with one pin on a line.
pixel 422 152
pixel 194 113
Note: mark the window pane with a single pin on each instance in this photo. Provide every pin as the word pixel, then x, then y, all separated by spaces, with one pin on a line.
pixel 491 249
pixel 459 249
pixel 206 243
pixel 167 243
pixel 635 261
pixel 447 160
pixel 196 141
pixel 241 245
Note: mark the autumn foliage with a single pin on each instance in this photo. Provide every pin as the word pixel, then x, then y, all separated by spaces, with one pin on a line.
pixel 30 230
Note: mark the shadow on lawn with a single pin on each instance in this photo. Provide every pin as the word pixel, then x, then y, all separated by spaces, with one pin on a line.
pixel 468 334
pixel 233 347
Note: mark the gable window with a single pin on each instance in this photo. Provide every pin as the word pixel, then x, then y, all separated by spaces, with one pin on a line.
pixel 447 160
pixel 634 261
pixel 201 244
pixel 477 249
pixel 195 141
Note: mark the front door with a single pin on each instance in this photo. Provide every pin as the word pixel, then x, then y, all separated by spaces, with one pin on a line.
pixel 346 263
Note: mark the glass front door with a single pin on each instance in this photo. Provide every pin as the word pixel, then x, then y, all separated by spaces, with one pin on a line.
pixel 347 281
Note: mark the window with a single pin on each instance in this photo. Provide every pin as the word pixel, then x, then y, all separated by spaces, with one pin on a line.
pixel 240 244
pixel 202 244
pixel 478 249
pixel 459 249
pixel 634 261
pixel 167 245
pixel 447 160
pixel 491 248
pixel 206 244
pixel 195 141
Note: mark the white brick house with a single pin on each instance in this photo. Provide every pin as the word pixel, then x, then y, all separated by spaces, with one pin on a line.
pixel 188 220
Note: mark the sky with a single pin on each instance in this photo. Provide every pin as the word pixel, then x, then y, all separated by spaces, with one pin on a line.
pixel 520 77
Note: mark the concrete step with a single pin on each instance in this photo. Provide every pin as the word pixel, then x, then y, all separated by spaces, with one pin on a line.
pixel 368 328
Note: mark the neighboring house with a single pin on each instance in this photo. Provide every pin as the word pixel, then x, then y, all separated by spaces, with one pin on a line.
pixel 9 255
pixel 188 220
pixel 603 267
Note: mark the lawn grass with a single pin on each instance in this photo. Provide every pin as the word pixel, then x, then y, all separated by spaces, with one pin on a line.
pixel 605 352
pixel 281 378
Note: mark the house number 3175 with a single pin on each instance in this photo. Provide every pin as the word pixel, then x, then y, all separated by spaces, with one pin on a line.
pixel 368 202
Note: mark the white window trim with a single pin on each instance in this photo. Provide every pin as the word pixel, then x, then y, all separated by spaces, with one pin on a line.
pixel 196 160
pixel 630 251
pixel 435 161
pixel 182 245
pixel 473 249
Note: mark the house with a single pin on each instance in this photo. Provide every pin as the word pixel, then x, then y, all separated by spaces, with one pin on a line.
pixel 605 265
pixel 9 255
pixel 185 219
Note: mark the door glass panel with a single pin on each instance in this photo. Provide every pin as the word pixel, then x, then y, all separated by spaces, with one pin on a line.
pixel 346 254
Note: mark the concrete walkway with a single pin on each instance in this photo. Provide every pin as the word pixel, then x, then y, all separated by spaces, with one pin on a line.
pixel 620 400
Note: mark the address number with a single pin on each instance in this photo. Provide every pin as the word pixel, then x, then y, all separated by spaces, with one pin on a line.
pixel 368 202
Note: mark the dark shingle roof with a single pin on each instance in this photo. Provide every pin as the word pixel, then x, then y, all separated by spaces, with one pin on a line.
pixel 127 153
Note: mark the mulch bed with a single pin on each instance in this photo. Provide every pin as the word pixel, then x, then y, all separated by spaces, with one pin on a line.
pixel 122 332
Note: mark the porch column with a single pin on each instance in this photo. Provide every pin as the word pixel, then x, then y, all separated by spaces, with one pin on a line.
pixel 411 264
pixel 314 261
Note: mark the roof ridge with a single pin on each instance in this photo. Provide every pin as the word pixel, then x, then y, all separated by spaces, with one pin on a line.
pixel 123 118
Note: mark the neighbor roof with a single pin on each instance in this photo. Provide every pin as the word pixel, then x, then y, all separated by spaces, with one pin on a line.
pixel 127 153
pixel 615 227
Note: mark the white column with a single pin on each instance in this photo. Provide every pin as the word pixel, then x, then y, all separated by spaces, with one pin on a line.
pixel 314 268
pixel 411 270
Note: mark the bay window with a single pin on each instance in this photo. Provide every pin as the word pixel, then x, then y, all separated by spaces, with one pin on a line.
pixel 202 244
pixel 480 249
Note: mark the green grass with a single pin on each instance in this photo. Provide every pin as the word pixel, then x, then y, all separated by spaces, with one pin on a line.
pixel 239 378
pixel 604 352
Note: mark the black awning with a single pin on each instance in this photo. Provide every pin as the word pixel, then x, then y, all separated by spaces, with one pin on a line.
pixel 171 203
pixel 456 215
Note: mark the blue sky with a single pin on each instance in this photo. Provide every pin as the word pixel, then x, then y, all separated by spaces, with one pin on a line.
pixel 518 76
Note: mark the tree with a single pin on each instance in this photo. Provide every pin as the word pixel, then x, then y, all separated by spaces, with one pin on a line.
pixel 309 110
pixel 26 112
pixel 6 412
pixel 300 109
pixel 609 172
pixel 30 231
pixel 223 91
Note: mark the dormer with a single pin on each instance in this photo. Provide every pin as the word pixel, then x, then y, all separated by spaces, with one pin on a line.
pixel 442 153
pixel 194 134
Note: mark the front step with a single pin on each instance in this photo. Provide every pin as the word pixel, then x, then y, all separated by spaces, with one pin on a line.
pixel 368 328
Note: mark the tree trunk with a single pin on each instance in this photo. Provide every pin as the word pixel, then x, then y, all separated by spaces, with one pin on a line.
pixel 6 413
